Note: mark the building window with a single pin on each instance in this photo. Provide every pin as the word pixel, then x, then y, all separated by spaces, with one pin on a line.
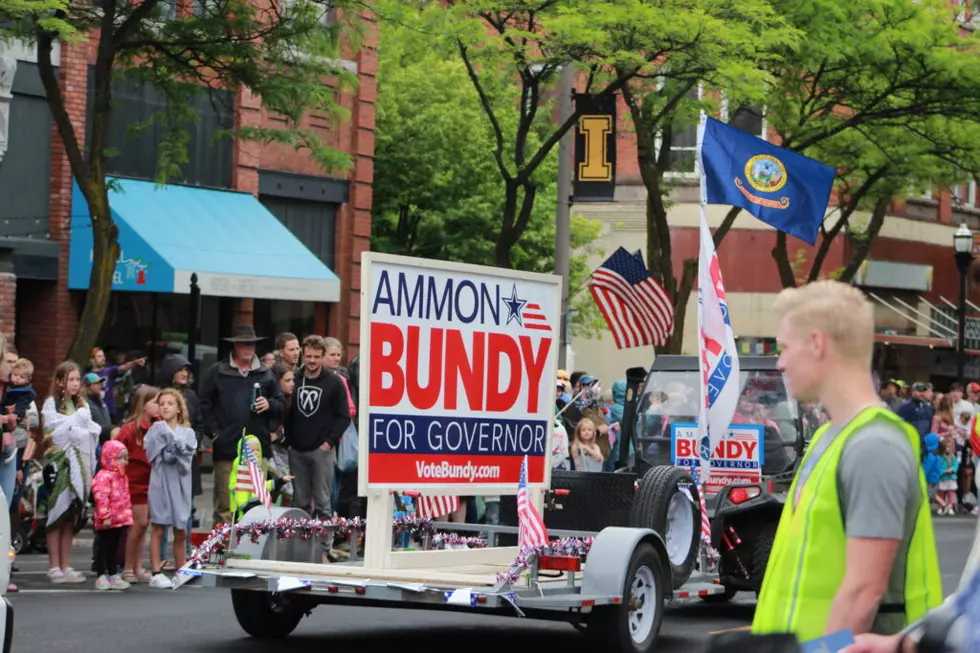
pixel 168 10
pixel 210 153
pixel 965 195
pixel 967 13
pixel 746 117
pixel 684 143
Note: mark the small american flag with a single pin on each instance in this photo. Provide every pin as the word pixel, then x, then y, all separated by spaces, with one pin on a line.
pixel 705 522
pixel 533 318
pixel 531 530
pixel 437 506
pixel 636 308
pixel 260 491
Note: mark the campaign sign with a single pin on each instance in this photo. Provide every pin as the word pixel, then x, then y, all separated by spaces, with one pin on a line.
pixel 737 459
pixel 457 366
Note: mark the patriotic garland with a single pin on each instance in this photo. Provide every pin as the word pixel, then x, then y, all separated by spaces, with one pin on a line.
pixel 418 527
pixel 567 546
pixel 287 528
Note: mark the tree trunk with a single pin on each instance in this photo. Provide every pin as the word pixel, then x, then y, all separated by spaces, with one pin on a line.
pixel 787 277
pixel 517 214
pixel 685 287
pixel 105 253
pixel 863 246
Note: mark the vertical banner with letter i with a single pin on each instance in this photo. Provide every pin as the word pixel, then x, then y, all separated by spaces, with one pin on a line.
pixel 595 148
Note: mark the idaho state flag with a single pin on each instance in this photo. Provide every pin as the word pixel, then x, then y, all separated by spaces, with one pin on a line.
pixel 784 189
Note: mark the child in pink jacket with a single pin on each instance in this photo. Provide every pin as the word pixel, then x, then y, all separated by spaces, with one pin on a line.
pixel 113 513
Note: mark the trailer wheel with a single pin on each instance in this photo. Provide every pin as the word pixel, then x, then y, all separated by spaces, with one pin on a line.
pixel 265 615
pixel 633 625
pixel 662 506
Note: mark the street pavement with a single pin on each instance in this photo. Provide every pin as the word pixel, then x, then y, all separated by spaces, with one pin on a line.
pixel 200 620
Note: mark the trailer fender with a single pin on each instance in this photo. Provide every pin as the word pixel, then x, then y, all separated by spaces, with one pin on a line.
pixel 268 547
pixel 605 567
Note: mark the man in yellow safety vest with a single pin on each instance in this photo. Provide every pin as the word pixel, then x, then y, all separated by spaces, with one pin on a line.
pixel 855 546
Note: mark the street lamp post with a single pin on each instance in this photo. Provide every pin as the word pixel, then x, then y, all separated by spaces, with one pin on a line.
pixel 963 246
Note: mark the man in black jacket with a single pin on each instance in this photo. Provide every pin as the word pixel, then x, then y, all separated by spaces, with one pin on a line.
pixel 317 419
pixel 230 410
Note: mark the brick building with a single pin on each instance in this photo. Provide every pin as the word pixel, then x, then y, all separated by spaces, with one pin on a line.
pixel 910 271
pixel 324 220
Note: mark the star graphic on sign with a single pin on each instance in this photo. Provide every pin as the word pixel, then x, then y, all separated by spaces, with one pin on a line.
pixel 514 306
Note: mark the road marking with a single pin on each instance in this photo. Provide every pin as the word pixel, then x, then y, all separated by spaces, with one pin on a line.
pixel 729 630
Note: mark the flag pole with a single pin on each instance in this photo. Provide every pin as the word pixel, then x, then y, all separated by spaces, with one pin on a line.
pixel 701 478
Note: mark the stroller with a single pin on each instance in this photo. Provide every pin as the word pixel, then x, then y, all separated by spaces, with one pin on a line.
pixel 32 510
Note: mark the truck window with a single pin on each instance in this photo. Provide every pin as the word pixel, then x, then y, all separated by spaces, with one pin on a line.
pixel 671 397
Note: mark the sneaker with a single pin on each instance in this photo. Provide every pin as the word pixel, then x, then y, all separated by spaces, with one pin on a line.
pixel 56 576
pixel 72 576
pixel 102 583
pixel 117 583
pixel 160 582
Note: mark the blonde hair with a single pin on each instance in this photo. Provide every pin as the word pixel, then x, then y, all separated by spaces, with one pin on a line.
pixel 182 418
pixel 23 366
pixel 837 309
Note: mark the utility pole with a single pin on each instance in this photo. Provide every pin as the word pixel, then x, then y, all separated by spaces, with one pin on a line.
pixel 563 216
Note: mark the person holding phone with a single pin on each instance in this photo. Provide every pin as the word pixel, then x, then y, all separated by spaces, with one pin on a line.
pixel 239 396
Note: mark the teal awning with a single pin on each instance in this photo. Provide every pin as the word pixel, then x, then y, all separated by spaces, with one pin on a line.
pixel 229 239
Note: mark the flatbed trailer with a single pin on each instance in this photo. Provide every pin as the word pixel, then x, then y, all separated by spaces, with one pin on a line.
pixel 615 594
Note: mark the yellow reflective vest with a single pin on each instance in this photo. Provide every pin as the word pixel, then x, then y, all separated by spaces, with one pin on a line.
pixel 808 559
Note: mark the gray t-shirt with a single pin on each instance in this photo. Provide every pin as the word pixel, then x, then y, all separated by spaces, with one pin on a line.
pixel 878 486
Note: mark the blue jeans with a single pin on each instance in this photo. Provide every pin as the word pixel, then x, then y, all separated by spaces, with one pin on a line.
pixel 8 479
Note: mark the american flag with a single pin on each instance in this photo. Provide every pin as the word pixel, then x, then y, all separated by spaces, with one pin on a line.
pixel 637 309
pixel 531 530
pixel 705 522
pixel 437 506
pixel 255 480
pixel 533 318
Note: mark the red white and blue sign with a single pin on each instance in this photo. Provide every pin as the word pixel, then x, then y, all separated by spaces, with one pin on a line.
pixel 460 365
pixel 737 458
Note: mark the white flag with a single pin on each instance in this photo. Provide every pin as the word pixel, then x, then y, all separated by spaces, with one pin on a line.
pixel 718 356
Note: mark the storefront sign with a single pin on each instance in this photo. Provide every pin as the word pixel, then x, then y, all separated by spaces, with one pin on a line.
pixel 737 459
pixel 458 372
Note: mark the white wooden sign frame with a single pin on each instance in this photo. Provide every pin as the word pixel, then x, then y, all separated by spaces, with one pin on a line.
pixel 380 504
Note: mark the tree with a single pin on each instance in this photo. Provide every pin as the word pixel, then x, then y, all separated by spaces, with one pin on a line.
pixel 437 191
pixel 889 97
pixel 282 52
pixel 608 41
pixel 842 74
pixel 875 165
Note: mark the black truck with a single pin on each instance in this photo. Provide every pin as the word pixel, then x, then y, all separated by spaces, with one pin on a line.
pixel 647 490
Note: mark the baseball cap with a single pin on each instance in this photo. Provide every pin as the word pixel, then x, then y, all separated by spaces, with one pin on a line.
pixel 91 378
pixel 973 387
pixel 921 386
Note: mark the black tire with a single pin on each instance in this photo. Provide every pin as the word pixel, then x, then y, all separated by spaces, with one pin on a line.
pixel 650 507
pixel 17 542
pixel 761 548
pixel 264 615
pixel 609 627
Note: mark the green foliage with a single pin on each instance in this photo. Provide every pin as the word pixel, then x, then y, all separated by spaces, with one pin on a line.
pixel 285 56
pixel 437 191
pixel 886 91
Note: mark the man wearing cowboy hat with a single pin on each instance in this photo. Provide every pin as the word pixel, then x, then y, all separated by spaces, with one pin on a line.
pixel 232 405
